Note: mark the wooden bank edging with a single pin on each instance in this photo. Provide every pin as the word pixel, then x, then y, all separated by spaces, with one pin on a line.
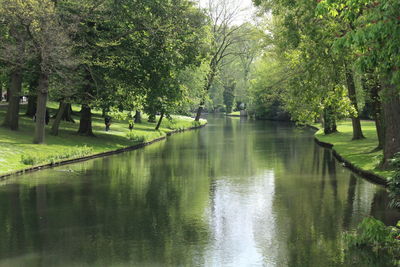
pixel 98 155
pixel 370 176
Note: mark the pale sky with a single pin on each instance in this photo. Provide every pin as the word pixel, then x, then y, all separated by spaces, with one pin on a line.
pixel 246 7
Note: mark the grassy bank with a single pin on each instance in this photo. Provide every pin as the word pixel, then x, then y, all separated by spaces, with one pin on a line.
pixel 358 152
pixel 18 152
pixel 235 113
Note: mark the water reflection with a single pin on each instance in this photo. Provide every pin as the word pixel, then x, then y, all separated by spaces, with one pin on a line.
pixel 237 193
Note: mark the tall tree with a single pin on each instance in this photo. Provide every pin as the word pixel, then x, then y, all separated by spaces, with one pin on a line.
pixel 224 34
pixel 14 52
pixel 39 23
pixel 312 74
pixel 375 36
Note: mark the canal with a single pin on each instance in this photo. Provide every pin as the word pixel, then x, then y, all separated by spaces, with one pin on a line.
pixel 235 193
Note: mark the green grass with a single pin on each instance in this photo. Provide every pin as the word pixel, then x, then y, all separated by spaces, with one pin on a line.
pixel 235 113
pixel 18 152
pixel 359 152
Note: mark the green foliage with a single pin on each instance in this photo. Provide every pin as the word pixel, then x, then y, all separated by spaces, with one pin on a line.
pixel 196 123
pixel 229 96
pixel 172 124
pixel 136 137
pixel 374 236
pixel 395 161
pixel 373 35
pixel 267 89
pixel 37 158
pixel 15 144
pixel 394 182
pixel 302 72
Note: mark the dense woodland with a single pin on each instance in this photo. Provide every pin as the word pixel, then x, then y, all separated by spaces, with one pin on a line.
pixel 312 61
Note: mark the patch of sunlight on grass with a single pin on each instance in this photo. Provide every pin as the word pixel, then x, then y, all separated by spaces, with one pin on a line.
pixel 15 144
pixel 361 153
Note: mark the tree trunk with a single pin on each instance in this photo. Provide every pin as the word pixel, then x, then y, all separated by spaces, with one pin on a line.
pixel 42 93
pixel 67 115
pixel 12 116
pixel 159 121
pixel 357 131
pixel 199 111
pixel 60 113
pixel 380 132
pixel 67 112
pixel 31 107
pixel 209 80
pixel 377 113
pixel 8 94
pixel 85 123
pixel 329 121
pixel 138 117
pixel 391 114
pixel 32 97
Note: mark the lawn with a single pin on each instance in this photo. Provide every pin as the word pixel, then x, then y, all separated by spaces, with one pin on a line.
pixel 235 113
pixel 16 146
pixel 361 153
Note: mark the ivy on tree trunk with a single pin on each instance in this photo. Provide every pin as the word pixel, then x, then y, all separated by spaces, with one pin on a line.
pixel 199 111
pixel 329 121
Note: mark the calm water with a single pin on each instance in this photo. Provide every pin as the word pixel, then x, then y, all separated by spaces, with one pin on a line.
pixel 236 193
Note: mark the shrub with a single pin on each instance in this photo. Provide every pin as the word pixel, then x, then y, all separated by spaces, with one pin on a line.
pixel 394 190
pixel 170 124
pixel 196 124
pixel 395 161
pixel 394 182
pixel 378 238
pixel 135 137
pixel 44 158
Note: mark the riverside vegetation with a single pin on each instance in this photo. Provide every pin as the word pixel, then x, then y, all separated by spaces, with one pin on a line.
pixel 308 61
pixel 18 153
pixel 331 60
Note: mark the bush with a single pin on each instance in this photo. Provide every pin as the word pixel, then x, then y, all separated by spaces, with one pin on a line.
pixel 395 161
pixel 136 137
pixel 378 238
pixel 172 124
pixel 394 190
pixel 394 182
pixel 44 158
pixel 196 124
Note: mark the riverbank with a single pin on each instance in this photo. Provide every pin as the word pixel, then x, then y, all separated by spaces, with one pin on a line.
pixel 19 155
pixel 358 155
pixel 237 114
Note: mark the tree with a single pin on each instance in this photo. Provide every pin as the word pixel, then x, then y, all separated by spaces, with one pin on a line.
pixel 37 23
pixel 375 37
pixel 229 95
pixel 14 51
pixel 222 15
pixel 313 76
